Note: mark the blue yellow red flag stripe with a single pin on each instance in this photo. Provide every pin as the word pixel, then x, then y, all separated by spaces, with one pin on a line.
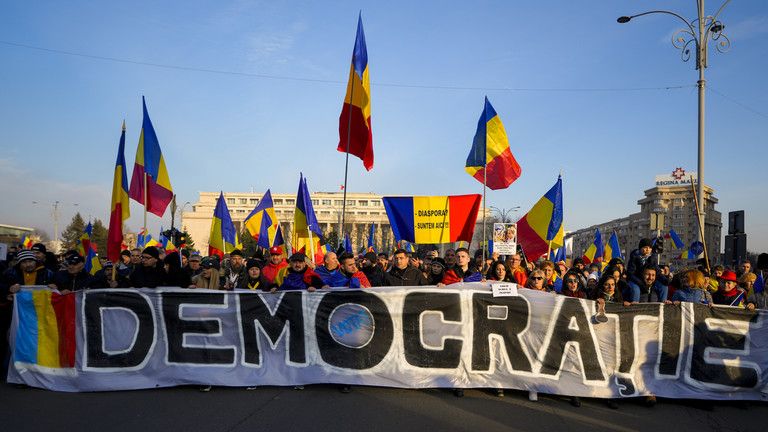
pixel 433 219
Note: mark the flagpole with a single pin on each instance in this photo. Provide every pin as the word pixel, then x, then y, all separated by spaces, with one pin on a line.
pixel 346 162
pixel 485 215
pixel 699 222
pixel 145 200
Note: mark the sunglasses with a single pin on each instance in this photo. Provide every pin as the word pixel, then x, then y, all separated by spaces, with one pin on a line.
pixel 537 278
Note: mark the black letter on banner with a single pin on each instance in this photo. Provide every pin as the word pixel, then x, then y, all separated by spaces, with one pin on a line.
pixel 572 309
pixel 252 308
pixel 415 353
pixel 671 340
pixel 145 335
pixel 363 357
pixel 627 329
pixel 508 329
pixel 704 337
pixel 176 327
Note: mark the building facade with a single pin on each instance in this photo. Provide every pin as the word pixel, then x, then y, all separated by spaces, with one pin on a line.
pixel 363 210
pixel 669 205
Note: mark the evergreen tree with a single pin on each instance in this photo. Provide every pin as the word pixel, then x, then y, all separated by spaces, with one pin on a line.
pixel 189 243
pixel 71 234
pixel 99 237
pixel 249 244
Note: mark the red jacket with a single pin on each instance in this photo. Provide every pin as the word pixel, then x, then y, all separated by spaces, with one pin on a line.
pixel 270 270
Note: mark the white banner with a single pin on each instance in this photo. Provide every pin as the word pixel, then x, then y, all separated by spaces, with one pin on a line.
pixel 414 337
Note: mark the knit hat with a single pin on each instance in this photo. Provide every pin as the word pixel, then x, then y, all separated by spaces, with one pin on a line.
pixel 151 251
pixel 645 242
pixel 298 256
pixel 370 256
pixel 236 252
pixel 253 263
pixel 39 247
pixel 439 261
pixel 592 276
pixel 26 255
pixel 729 275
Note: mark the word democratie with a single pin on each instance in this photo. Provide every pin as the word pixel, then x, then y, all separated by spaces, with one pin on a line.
pixel 461 337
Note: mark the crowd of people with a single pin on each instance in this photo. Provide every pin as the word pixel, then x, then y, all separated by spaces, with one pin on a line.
pixel 641 278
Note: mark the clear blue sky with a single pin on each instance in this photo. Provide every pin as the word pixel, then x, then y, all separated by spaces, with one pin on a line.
pixel 431 64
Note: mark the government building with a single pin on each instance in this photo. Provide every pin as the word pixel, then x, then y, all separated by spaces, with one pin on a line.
pixel 363 209
pixel 669 205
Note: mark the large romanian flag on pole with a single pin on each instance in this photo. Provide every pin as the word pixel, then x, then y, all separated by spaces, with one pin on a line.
pixel 542 227
pixel 223 238
pixel 149 161
pixel 433 219
pixel 595 251
pixel 612 249
pixel 120 209
pixel 262 223
pixel 306 230
pixel 355 135
pixel 490 160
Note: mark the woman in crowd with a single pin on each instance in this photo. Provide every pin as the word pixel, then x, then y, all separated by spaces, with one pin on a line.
pixel 498 273
pixel 729 294
pixel 536 281
pixel 255 280
pixel 691 288
pixel 572 285
pixel 436 271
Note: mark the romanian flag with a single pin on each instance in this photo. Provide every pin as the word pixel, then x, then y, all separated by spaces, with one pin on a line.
pixel 347 244
pixel 372 238
pixel 223 238
pixel 305 226
pixel 355 135
pixel 26 242
pixel 262 223
pixel 88 250
pixel 144 239
pixel 433 219
pixel 149 161
pixel 612 249
pixel 675 239
pixel 490 160
pixel 46 329
pixel 166 243
pixel 542 226
pixel 120 210
pixel 594 252
pixel 555 255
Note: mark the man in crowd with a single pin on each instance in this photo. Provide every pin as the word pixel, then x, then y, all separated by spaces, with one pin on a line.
pixel 372 271
pixel 462 271
pixel 354 278
pixel 637 261
pixel 150 274
pixel 402 273
pixel 276 262
pixel 208 278
pixel 329 272
pixel 382 260
pixel 236 270
pixel 298 276
pixel 74 277
pixel 194 268
pixel 135 259
pixel 652 289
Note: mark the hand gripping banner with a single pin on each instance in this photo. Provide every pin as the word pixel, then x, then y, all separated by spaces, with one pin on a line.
pixel 413 337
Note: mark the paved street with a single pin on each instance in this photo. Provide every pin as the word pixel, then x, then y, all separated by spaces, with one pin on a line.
pixel 366 408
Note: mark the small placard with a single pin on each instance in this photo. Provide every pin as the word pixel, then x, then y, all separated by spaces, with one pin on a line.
pixel 504 289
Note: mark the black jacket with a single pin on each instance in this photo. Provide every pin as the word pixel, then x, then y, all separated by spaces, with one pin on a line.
pixel 410 276
pixel 375 275
pixel 64 280
pixel 148 277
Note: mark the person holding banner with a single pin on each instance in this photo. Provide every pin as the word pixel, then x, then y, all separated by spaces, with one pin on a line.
pixel 536 281
pixel 402 273
pixel 354 277
pixel 276 262
pixel 150 274
pixel 498 273
pixel 729 294
pixel 573 286
pixel 209 277
pixel 254 279
pixel 298 276
pixel 372 271
pixel 462 271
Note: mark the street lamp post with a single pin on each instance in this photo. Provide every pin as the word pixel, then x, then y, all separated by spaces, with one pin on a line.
pixel 699 32
pixel 505 214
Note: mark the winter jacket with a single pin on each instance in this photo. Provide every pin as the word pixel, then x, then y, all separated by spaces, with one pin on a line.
pixel 332 278
pixel 288 279
pixel 636 264
pixel 356 280
pixel 148 277
pixel 456 274
pixel 270 270
pixel 375 275
pixel 65 280
pixel 409 276
pixel 14 275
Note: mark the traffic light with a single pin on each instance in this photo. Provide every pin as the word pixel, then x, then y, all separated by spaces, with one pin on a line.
pixel 658 245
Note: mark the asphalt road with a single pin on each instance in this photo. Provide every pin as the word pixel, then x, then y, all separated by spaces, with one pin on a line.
pixel 324 408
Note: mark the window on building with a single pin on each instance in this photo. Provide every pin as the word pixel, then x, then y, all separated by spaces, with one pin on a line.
pixel 362 213
pixel 290 202
pixel 254 200
pixel 338 202
pixel 363 203
pixel 277 202
pixel 314 202
pixel 350 202
pixel 375 203
pixel 325 202
pixel 325 212
pixel 240 211
pixel 243 200
pixel 230 200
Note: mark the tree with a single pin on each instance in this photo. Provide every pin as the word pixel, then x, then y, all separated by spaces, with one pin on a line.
pixel 40 234
pixel 99 237
pixel 186 239
pixel 71 234
pixel 332 238
pixel 249 244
